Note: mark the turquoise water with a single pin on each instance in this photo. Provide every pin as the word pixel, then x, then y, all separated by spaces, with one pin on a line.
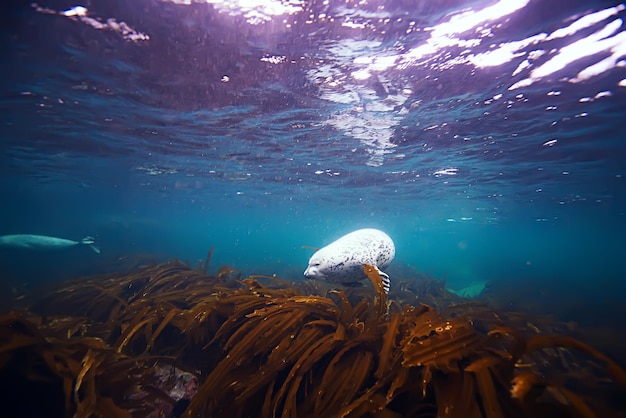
pixel 260 137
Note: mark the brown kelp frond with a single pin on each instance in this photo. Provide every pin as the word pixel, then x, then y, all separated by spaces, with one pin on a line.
pixel 537 342
pixel 487 391
pixel 529 386
pixel 380 303
pixel 93 378
pixel 205 268
pixel 389 345
pixel 434 341
pixel 225 273
pixel 423 290
pixel 146 342
pixel 271 336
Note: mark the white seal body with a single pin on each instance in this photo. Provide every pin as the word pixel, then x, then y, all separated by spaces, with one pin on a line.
pixel 342 260
pixel 42 242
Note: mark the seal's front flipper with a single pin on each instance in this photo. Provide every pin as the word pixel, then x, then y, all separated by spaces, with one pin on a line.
pixel 386 281
pixel 90 242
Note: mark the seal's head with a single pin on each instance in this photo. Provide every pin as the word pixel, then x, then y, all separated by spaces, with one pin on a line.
pixel 317 266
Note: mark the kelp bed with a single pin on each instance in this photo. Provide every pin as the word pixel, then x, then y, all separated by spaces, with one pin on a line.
pixel 171 340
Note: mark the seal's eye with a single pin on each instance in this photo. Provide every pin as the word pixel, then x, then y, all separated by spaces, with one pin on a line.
pixel 315 264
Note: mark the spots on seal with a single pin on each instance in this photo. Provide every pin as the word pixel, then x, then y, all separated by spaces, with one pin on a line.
pixel 342 260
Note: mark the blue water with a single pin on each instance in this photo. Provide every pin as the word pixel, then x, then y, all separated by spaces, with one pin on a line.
pixel 487 138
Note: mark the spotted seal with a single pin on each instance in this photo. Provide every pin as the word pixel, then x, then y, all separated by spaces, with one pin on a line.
pixel 42 242
pixel 342 260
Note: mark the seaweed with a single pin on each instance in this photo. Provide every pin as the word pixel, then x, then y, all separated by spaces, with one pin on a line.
pixel 165 339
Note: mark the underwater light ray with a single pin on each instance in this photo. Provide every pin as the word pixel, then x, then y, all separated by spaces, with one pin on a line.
pixel 586 21
pixel 471 19
pixel 256 12
pixel 590 45
pixel 600 41
pixel 442 35
pixel 81 14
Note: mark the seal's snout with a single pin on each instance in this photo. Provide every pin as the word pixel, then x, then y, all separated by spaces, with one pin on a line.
pixel 314 271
